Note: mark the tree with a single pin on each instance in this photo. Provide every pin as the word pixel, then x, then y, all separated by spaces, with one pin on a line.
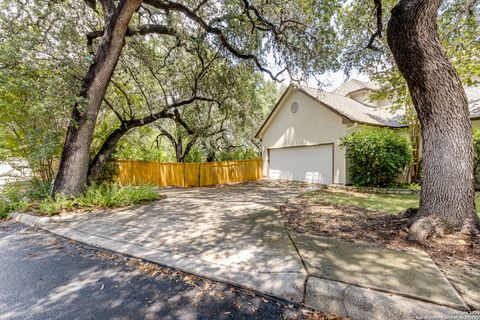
pixel 418 43
pixel 447 194
pixel 72 172
pixel 458 27
pixel 300 38
pixel 210 97
pixel 33 90
pixel 224 123
pixel 245 32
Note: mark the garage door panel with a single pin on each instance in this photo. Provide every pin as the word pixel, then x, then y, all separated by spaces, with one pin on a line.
pixel 310 164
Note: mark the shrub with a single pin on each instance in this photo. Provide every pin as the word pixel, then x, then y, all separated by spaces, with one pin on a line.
pixel 12 198
pixel 109 172
pixel 376 157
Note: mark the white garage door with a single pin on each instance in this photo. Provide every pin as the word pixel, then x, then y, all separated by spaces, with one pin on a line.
pixel 310 164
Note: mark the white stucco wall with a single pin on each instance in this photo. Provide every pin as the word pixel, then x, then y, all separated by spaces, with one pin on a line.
pixel 313 124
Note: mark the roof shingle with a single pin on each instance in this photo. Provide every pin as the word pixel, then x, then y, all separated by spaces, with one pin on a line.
pixel 383 116
pixel 356 111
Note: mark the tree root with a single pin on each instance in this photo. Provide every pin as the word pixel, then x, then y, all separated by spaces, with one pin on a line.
pixel 470 228
pixel 425 227
pixel 428 226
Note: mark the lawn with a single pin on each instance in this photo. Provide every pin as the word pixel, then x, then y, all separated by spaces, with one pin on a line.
pixel 387 203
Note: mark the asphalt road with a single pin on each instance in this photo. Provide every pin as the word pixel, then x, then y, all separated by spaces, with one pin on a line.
pixel 44 276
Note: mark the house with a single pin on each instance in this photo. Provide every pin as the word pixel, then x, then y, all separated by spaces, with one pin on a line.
pixel 301 136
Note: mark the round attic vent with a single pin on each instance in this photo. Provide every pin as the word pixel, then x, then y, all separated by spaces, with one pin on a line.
pixel 294 107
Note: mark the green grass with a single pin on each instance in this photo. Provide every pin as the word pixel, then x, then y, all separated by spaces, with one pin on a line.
pixel 386 203
pixel 34 197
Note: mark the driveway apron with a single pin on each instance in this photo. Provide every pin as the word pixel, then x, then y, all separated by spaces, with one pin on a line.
pixel 229 233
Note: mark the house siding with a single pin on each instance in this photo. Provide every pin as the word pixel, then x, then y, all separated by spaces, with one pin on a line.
pixel 312 124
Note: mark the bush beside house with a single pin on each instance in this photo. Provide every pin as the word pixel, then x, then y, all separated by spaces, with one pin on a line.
pixel 376 157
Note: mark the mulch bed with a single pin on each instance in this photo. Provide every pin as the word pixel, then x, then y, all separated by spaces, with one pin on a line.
pixel 320 218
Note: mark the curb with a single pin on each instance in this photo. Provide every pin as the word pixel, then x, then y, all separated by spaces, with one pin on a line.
pixel 33 221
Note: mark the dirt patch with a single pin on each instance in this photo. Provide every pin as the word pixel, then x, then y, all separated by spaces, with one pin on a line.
pixel 318 217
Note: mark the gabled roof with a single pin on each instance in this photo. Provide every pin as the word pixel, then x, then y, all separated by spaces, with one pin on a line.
pixel 356 111
pixel 352 110
pixel 354 85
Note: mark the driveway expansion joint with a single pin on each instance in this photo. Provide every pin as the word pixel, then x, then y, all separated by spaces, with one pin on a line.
pixel 343 300
pixel 307 277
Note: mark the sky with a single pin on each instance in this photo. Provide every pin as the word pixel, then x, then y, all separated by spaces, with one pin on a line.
pixel 335 79
pixel 331 80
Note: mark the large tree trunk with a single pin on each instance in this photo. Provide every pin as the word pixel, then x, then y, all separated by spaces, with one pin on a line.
pixel 447 197
pixel 179 149
pixel 72 173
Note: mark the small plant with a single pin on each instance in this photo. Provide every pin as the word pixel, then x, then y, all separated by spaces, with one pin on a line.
pixel 376 157
pixel 34 197
pixel 408 186
pixel 109 172
pixel 12 198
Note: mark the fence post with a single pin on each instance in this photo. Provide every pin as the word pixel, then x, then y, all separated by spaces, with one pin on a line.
pixel 199 180
pixel 184 175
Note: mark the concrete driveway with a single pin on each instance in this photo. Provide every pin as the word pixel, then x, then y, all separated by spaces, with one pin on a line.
pixel 235 234
pixel 229 233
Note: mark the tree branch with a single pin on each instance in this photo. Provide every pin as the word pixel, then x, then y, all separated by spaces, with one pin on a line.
pixel 378 32
pixel 192 15
pixel 141 30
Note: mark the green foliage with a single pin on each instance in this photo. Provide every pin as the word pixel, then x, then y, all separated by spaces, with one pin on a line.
pixel 13 198
pixel 240 154
pixel 458 27
pixel 108 173
pixel 384 203
pixel 408 186
pixel 34 196
pixel 100 196
pixel 7 206
pixel 196 154
pixel 36 75
pixel 476 163
pixel 376 157
pixel 142 144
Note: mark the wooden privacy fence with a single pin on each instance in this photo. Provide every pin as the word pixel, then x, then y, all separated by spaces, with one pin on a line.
pixel 188 174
